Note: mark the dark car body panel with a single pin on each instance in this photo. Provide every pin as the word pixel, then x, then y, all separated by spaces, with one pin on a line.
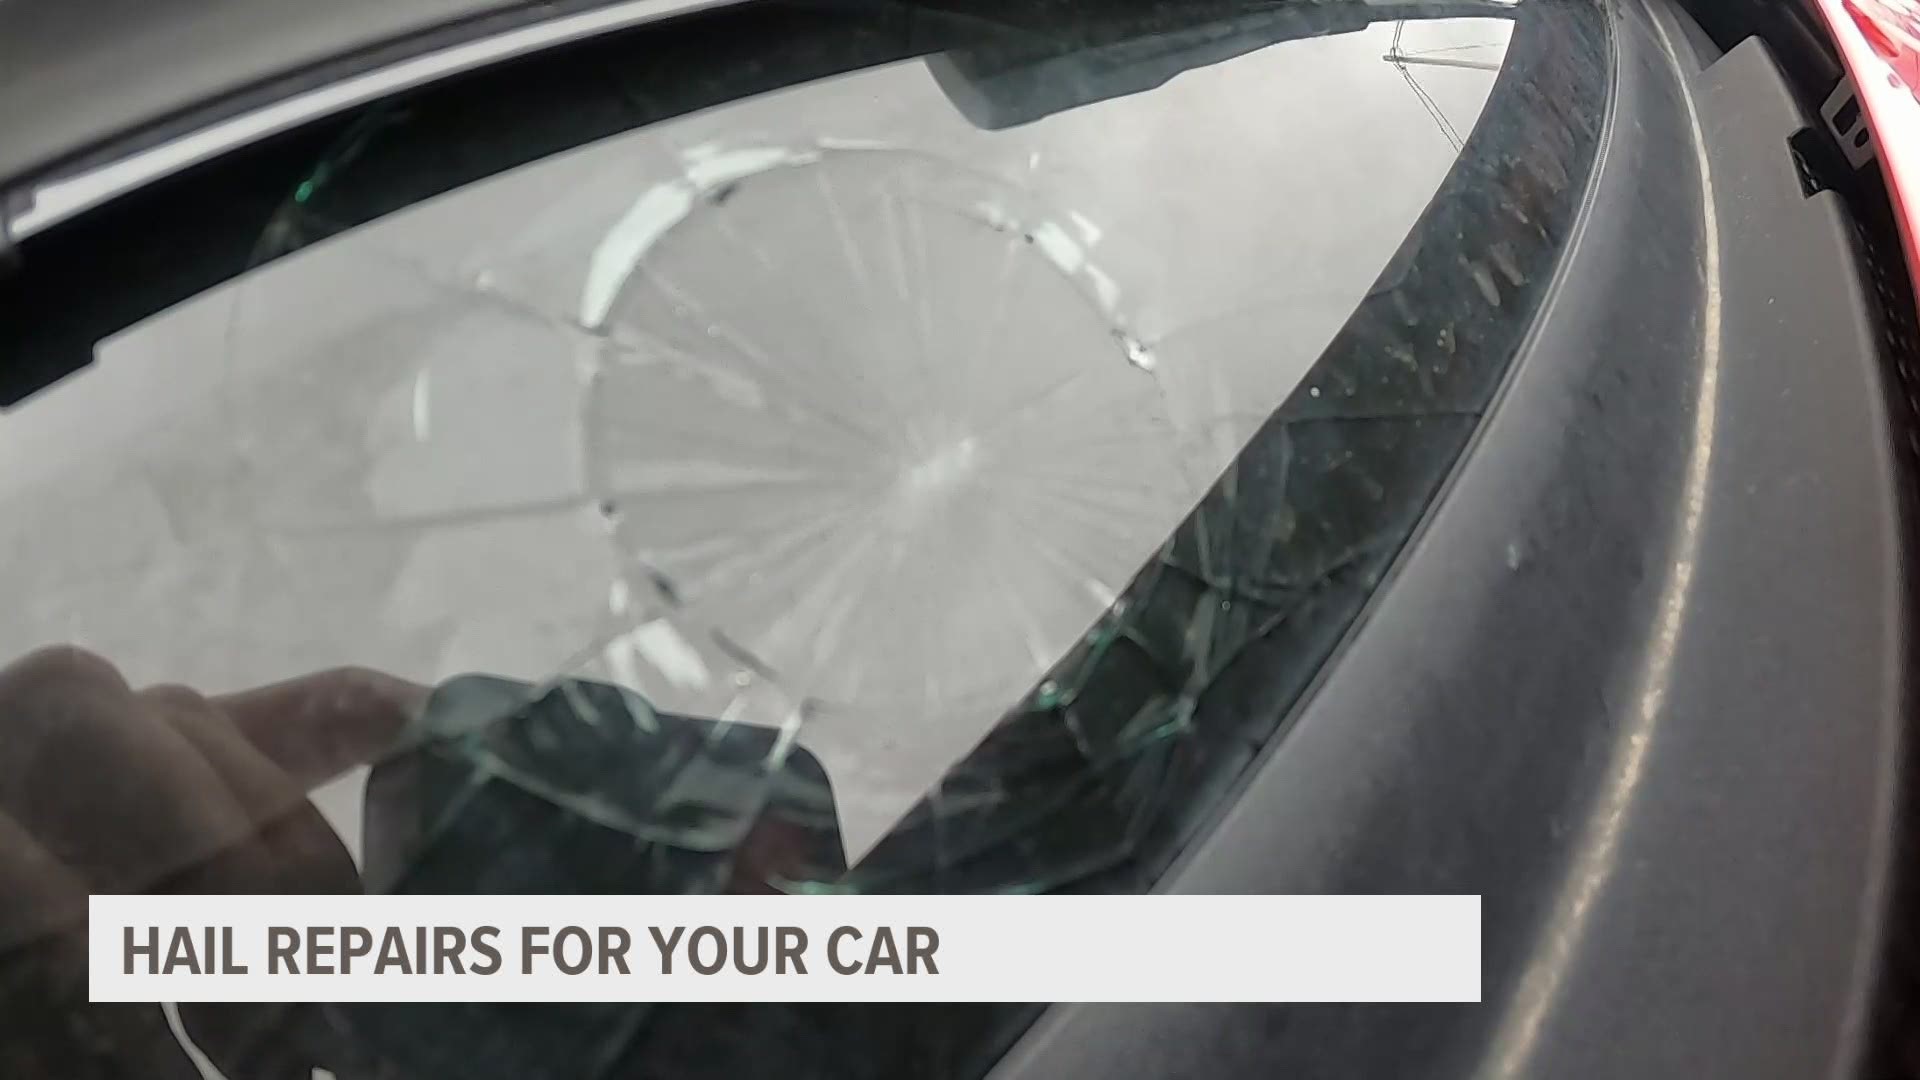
pixel 1642 680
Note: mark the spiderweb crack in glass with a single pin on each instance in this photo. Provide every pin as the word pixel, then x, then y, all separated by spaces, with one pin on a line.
pixel 914 464
pixel 895 488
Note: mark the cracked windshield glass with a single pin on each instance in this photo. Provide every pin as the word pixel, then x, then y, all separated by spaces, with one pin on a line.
pixel 915 464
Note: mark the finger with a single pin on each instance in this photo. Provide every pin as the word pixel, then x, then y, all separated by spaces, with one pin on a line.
pixel 319 726
pixel 53 1032
pixel 99 783
pixel 292 848
pixel 300 854
pixel 40 897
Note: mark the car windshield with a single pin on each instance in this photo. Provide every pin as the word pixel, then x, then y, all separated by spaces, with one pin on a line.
pixel 911 447
pixel 979 427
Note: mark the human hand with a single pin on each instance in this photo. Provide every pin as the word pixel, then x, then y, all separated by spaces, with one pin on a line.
pixel 108 789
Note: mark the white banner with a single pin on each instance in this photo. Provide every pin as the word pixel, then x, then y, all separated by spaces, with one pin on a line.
pixel 785 948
